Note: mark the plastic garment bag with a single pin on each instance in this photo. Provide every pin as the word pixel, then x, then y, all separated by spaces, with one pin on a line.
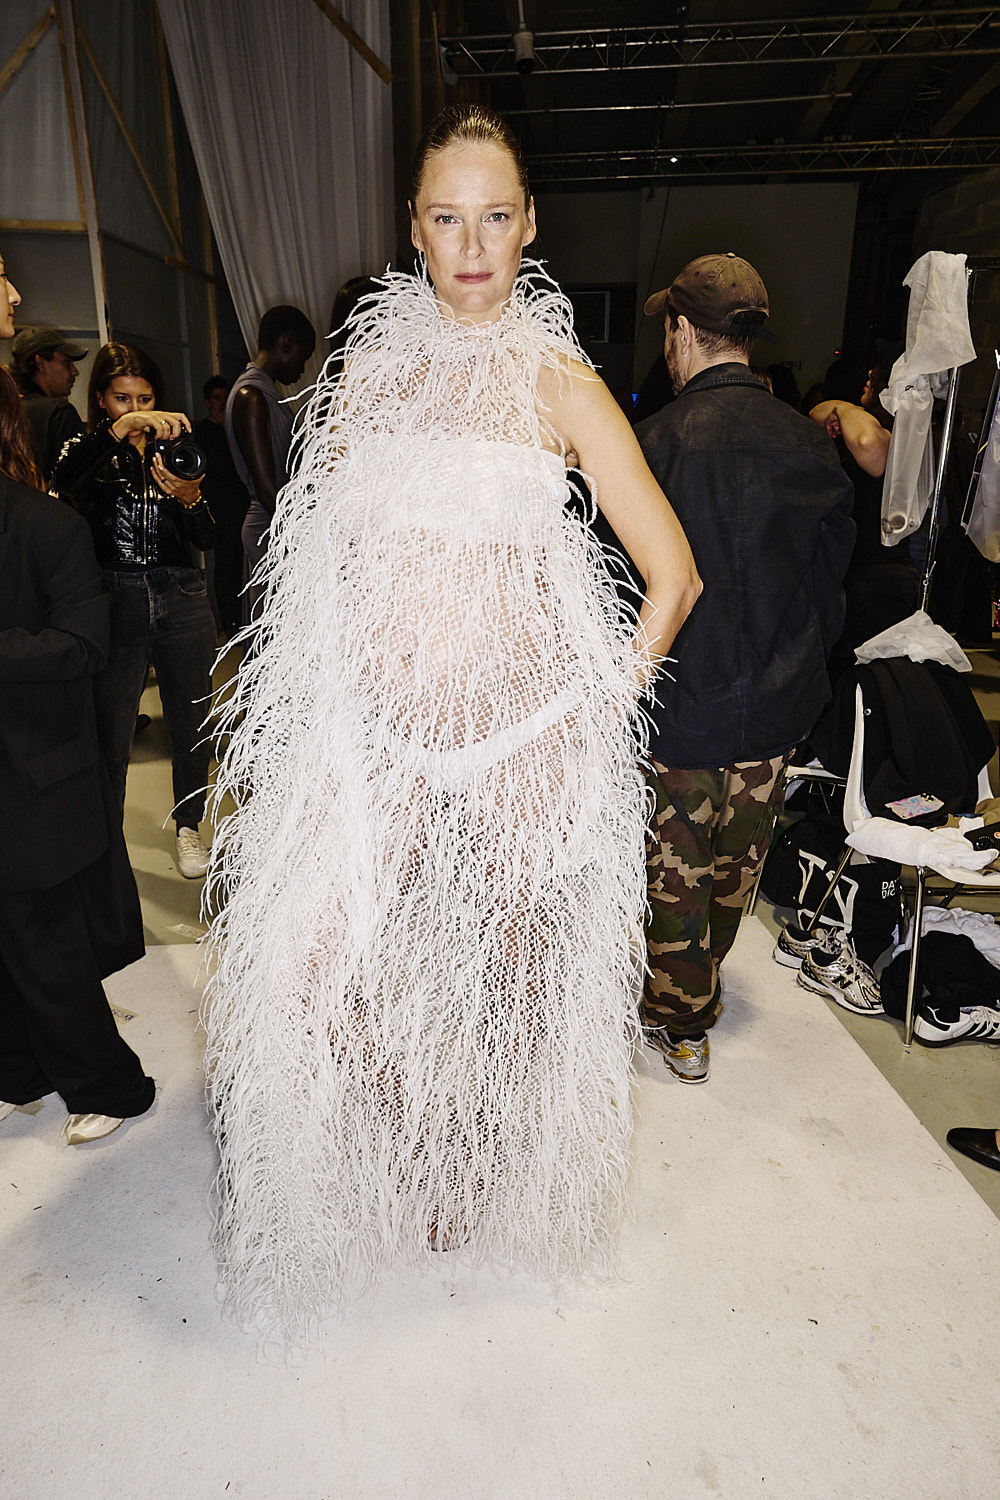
pixel 937 340
pixel 983 525
pixel 918 638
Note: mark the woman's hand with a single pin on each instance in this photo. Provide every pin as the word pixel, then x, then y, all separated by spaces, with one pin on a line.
pixel 159 424
pixel 187 491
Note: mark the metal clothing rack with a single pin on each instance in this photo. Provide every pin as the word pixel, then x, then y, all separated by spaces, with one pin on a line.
pixel 975 265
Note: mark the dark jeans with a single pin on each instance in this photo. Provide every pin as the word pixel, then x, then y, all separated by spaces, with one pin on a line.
pixel 56 1027
pixel 162 614
pixel 229 571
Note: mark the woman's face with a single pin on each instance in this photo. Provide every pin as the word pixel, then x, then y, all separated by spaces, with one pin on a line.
pixel 10 298
pixel 126 393
pixel 470 221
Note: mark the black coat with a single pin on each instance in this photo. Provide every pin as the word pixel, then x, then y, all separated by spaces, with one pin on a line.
pixel 53 640
pixel 767 510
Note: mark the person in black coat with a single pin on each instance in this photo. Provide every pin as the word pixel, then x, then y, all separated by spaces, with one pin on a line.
pixel 69 910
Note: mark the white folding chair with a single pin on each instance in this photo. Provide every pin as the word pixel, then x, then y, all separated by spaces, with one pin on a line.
pixel 858 819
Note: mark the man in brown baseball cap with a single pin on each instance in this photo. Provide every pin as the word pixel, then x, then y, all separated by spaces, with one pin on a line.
pixel 716 292
pixel 45 369
pixel 766 508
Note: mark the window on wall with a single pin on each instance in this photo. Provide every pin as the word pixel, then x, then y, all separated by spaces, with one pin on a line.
pixel 604 315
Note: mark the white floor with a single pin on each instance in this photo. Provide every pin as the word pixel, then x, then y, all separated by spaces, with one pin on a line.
pixel 805 1308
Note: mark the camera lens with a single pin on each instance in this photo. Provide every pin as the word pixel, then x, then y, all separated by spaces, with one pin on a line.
pixel 183 457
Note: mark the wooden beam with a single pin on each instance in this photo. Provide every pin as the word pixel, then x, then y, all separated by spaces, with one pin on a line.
pixel 67 23
pixel 358 43
pixel 130 142
pixel 46 226
pixel 168 121
pixel 27 47
pixel 74 133
pixel 175 262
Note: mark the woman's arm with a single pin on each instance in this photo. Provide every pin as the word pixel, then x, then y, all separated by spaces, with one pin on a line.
pixel 252 427
pixel 590 421
pixel 867 440
pixel 82 459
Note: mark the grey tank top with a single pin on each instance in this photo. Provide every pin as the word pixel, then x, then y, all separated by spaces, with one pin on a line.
pixel 281 425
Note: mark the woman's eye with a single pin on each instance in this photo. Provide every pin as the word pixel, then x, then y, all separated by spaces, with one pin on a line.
pixel 498 217
pixel 445 219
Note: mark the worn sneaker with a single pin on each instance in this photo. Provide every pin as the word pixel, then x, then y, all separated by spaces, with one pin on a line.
pixel 837 972
pixel 192 856
pixel 794 943
pixel 686 1056
pixel 941 1025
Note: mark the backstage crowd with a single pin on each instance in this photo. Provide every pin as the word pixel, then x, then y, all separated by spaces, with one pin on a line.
pixel 129 541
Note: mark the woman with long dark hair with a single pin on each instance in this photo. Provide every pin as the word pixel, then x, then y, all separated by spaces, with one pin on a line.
pixel 17 457
pixel 145 520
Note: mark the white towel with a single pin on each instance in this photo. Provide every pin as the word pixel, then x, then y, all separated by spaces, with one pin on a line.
pixel 942 849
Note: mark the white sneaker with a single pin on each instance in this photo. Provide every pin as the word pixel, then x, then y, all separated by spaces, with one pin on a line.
pixel 192 856
pixel 79 1129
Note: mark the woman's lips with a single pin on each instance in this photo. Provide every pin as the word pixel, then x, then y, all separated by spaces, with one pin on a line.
pixel 474 276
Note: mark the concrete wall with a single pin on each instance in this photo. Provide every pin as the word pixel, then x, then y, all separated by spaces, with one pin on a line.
pixel 797 235
pixel 965 218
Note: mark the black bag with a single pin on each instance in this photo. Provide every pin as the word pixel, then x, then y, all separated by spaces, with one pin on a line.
pixel 865 902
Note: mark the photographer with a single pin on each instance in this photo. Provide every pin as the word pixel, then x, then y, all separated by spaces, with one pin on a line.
pixel 127 478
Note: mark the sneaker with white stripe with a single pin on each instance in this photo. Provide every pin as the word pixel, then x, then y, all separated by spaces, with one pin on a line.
pixel 942 1025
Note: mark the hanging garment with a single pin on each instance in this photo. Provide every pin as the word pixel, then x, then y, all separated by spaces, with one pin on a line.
pixel 937 340
pixel 421 1020
pixel 983 525
pixel 918 638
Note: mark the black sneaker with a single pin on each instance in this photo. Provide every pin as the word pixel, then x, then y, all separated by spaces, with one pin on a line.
pixel 687 1057
pixel 941 1025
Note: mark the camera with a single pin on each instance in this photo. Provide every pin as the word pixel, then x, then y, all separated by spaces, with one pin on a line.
pixel 182 456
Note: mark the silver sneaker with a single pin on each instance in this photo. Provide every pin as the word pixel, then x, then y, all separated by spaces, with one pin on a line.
pixel 687 1057
pixel 192 856
pixel 979 1023
pixel 794 944
pixel 837 972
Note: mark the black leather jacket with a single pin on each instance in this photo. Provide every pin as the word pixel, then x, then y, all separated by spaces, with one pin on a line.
pixel 134 524
pixel 767 510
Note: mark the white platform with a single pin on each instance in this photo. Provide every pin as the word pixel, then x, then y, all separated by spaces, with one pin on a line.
pixel 806 1307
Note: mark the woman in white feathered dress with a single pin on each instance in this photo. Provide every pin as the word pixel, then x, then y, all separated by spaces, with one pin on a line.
pixel 432 888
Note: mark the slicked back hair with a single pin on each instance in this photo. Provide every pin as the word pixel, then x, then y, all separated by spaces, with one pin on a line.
pixel 467 124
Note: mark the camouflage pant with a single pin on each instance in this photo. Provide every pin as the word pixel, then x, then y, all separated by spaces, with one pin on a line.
pixel 707 836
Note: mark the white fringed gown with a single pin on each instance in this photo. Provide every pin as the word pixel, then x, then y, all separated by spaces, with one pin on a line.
pixel 421 1019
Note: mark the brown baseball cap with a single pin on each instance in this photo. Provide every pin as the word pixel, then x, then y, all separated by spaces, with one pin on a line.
pixel 34 340
pixel 713 291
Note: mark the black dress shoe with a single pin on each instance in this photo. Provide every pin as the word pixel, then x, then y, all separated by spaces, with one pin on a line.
pixel 981 1145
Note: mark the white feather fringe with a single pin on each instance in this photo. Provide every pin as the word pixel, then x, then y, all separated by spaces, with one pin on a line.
pixel 432 887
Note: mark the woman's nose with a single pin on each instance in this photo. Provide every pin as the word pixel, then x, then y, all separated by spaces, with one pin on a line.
pixel 472 244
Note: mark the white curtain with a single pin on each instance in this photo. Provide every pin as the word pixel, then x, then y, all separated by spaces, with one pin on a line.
pixel 292 135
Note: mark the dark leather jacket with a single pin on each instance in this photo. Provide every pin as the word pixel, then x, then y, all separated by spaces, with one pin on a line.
pixel 134 524
pixel 53 421
pixel 767 511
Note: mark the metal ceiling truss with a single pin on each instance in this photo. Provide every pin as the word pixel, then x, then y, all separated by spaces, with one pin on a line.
pixel 880 36
pixel 825 158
